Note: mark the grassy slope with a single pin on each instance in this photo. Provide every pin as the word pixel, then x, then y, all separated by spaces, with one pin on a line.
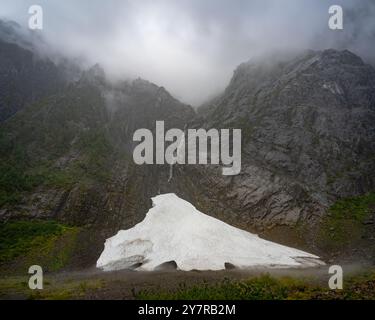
pixel 349 225
pixel 264 287
pixel 45 243
pixel 71 126
pixel 269 288
pixel 17 287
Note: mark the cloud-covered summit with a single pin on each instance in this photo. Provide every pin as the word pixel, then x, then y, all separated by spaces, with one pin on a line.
pixel 190 46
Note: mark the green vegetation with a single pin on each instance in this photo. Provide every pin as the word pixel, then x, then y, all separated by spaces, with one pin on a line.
pixel 57 142
pixel 47 243
pixel 357 208
pixel 97 149
pixel 264 287
pixel 14 181
pixel 53 289
pixel 345 223
pixel 267 288
pixel 260 288
pixel 67 291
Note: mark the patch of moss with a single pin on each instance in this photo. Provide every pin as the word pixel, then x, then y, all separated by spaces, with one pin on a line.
pixel 53 177
pixel 357 208
pixel 45 243
pixel 98 150
pixel 13 182
pixel 344 224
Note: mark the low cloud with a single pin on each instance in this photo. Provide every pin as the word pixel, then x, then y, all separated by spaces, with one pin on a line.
pixel 191 47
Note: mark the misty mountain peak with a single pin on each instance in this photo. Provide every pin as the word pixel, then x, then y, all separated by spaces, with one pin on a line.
pixel 332 56
pixel 9 30
pixel 12 32
pixel 95 75
pixel 142 84
pixel 305 71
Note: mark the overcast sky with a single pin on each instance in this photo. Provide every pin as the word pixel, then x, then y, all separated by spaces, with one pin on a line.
pixel 191 47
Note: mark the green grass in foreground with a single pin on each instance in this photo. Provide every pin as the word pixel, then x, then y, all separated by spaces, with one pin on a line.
pixel 268 288
pixel 17 287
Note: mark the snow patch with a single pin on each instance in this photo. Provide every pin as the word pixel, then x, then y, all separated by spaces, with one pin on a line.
pixel 175 232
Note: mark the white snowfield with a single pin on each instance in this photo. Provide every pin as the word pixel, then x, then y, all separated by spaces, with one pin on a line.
pixel 174 230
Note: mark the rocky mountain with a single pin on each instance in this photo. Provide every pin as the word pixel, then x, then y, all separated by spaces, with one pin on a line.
pixel 68 156
pixel 309 137
pixel 308 126
pixel 308 129
pixel 26 75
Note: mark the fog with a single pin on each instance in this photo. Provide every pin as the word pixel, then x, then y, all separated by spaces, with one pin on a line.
pixel 191 47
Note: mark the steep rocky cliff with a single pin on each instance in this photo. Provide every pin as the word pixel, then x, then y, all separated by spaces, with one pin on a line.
pixel 25 75
pixel 308 127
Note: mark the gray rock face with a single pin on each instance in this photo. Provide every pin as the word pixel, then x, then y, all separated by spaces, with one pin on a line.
pixel 25 74
pixel 308 127
pixel 24 78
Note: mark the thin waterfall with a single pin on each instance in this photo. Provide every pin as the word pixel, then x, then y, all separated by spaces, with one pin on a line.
pixel 177 154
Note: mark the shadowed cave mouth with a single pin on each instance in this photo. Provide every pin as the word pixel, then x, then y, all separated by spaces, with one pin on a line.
pixel 172 266
pixel 167 266
pixel 229 266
